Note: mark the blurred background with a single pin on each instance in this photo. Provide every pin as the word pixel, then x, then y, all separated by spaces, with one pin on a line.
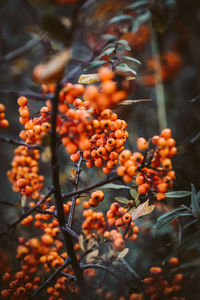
pixel 166 38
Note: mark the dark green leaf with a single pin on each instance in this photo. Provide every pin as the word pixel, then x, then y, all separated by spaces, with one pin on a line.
pixel 106 52
pixel 114 186
pixel 140 20
pixel 122 199
pixel 171 212
pixel 95 64
pixel 125 68
pixel 131 59
pixel 169 219
pixel 120 18
pixel 195 203
pixel 133 193
pixel 178 194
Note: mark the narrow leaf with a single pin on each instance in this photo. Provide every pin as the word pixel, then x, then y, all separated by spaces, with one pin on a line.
pixel 195 203
pixel 95 64
pixel 178 194
pixel 114 186
pixel 125 68
pixel 131 59
pixel 120 18
pixel 122 199
pixel 106 52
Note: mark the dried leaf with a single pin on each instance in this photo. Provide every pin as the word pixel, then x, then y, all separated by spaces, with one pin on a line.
pixel 123 253
pixel 53 69
pixel 142 210
pixel 91 256
pixel 88 78
pixel 46 155
pixel 23 200
pixel 81 242
pixel 129 102
pixel 73 173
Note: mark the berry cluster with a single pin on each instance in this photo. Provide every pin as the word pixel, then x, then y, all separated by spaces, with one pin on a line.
pixel 153 168
pixel 3 122
pixel 156 286
pixel 24 174
pixel 94 220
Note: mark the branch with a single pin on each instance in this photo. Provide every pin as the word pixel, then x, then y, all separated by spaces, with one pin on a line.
pixel 96 266
pixel 91 187
pixel 76 181
pixel 51 277
pixel 59 199
pixel 14 224
pixel 28 94
pixel 19 51
pixel 18 143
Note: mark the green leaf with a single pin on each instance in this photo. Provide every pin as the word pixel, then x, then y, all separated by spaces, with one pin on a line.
pixel 195 203
pixel 159 225
pixel 140 20
pixel 95 64
pixel 114 186
pixel 122 199
pixel 131 59
pixel 109 37
pixel 133 193
pixel 171 212
pixel 122 42
pixel 186 242
pixel 178 194
pixel 120 18
pixel 106 52
pixel 125 68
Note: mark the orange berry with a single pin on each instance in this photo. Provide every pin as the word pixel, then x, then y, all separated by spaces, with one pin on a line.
pixel 155 270
pixel 126 218
pixel 47 239
pixel 108 87
pixel 173 262
pixel 4 123
pixel 21 183
pixel 2 107
pixel 142 143
pixel 160 196
pixel 105 74
pixel 166 133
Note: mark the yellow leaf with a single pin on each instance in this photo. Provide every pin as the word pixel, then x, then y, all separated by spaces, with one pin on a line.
pixel 23 200
pixel 89 78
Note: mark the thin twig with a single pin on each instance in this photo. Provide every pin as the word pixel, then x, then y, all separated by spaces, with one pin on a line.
pixel 28 94
pixel 76 181
pixel 91 187
pixel 26 214
pixel 19 51
pixel 18 143
pixel 70 231
pixel 51 277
